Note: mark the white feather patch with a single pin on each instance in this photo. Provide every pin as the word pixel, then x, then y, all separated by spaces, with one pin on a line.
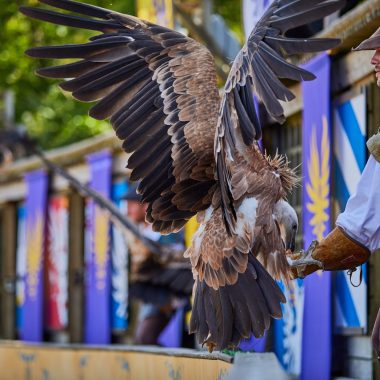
pixel 208 214
pixel 246 215
pixel 198 236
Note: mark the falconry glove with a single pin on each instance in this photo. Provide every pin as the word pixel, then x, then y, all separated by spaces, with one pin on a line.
pixel 337 251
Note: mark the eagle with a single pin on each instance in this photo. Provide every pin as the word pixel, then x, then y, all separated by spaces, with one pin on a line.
pixel 195 150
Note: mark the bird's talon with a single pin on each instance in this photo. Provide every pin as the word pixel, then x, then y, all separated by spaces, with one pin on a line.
pixel 210 345
pixel 304 258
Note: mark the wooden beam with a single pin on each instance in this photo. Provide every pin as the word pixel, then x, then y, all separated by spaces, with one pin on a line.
pixel 64 156
pixel 116 362
pixel 350 70
pixel 76 267
pixel 12 191
pixel 8 270
pixel 347 71
pixel 356 25
pixel 16 190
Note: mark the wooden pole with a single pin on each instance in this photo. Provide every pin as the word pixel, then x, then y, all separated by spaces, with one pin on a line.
pixel 8 270
pixel 76 267
pixel 374 262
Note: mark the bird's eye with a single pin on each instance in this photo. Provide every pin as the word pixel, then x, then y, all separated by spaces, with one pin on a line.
pixel 294 227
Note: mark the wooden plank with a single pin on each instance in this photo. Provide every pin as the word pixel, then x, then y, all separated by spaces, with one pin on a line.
pixel 12 191
pixel 76 267
pixel 16 190
pixel 79 172
pixel 8 270
pixel 51 362
pixel 63 156
pixel 350 69
pixel 354 26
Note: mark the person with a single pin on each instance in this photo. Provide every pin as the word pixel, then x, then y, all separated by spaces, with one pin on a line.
pixel 357 231
pixel 161 284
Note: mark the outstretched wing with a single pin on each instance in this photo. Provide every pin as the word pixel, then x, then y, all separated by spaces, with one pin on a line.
pixel 259 68
pixel 159 89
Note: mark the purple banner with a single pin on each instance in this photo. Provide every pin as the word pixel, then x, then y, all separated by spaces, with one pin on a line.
pixel 20 265
pixel 36 198
pixel 316 173
pixel 97 325
pixel 171 335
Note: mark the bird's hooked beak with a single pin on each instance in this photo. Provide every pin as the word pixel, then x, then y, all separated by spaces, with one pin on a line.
pixel 291 240
pixel 287 220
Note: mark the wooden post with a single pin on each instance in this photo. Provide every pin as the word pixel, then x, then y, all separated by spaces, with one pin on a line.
pixel 76 267
pixel 374 263
pixel 8 270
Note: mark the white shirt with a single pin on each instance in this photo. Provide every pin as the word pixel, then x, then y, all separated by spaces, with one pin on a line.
pixel 361 218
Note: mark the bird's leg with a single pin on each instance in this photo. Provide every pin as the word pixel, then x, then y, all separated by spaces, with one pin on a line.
pixel 303 259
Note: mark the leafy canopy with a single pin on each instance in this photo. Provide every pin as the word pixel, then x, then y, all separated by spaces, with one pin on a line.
pixel 49 114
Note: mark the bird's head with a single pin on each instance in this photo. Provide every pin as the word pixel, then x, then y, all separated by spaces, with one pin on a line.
pixel 287 220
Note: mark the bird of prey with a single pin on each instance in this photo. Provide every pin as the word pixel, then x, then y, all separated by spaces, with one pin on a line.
pixel 195 151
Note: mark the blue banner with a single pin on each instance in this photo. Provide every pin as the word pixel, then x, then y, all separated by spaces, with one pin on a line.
pixel 316 214
pixel 288 330
pixel 119 264
pixel 36 205
pixel 350 124
pixel 97 325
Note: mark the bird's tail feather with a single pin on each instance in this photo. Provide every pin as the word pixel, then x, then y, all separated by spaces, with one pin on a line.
pixel 221 318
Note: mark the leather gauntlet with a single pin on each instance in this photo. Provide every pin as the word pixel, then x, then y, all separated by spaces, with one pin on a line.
pixel 337 251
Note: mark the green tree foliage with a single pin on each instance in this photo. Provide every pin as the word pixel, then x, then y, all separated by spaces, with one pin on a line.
pixel 49 114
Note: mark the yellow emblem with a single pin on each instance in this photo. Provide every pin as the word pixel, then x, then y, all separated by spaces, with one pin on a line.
pixel 318 187
pixel 34 255
pixel 101 243
pixel 157 11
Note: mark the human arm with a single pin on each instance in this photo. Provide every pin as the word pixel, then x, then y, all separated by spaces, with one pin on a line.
pixel 357 232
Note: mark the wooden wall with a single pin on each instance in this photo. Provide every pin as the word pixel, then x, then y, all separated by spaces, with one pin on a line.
pixel 44 362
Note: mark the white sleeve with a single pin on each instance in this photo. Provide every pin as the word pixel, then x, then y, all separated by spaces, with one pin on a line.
pixel 361 218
